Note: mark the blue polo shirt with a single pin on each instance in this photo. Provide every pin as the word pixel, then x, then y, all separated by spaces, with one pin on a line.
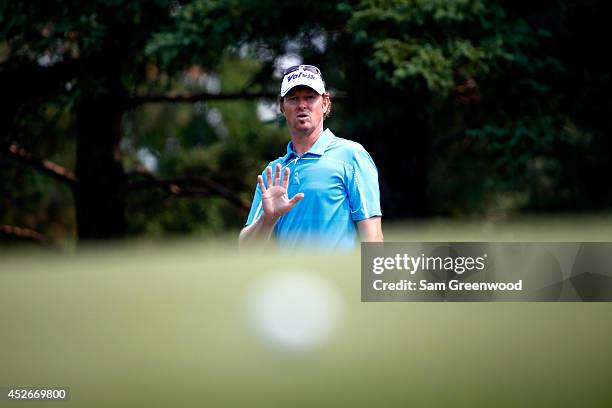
pixel 340 185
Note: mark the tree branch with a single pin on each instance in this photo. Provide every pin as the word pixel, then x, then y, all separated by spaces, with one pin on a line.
pixel 196 97
pixel 45 166
pixel 186 185
pixel 173 97
pixel 21 234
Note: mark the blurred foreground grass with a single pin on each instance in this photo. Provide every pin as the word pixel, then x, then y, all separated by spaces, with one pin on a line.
pixel 170 323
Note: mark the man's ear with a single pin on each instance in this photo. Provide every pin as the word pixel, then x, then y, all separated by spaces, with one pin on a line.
pixel 280 101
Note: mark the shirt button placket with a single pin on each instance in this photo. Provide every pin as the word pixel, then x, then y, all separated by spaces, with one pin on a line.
pixel 296 173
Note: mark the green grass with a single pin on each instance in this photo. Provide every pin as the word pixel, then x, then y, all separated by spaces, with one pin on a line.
pixel 169 324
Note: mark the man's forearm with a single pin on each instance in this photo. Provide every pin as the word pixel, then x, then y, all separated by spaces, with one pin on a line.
pixel 370 230
pixel 259 231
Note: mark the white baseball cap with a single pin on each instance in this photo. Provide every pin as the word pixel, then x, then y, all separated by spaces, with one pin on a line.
pixel 307 75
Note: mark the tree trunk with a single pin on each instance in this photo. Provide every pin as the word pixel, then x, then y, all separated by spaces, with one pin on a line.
pixel 100 193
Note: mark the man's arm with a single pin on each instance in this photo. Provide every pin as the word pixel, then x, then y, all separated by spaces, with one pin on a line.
pixel 275 203
pixel 370 230
pixel 260 230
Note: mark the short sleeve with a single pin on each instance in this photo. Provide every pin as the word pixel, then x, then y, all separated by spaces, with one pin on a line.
pixel 362 186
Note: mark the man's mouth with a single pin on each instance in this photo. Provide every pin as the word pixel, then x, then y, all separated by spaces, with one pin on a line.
pixel 303 116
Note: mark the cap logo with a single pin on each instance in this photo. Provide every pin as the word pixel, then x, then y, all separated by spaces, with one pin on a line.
pixel 301 74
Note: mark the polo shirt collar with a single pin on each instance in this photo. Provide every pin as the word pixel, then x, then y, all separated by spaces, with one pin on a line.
pixel 322 143
pixel 318 148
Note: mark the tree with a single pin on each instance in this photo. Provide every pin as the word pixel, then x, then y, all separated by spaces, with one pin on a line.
pixel 457 101
pixel 81 67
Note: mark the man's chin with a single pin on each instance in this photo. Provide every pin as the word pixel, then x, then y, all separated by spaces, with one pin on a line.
pixel 304 127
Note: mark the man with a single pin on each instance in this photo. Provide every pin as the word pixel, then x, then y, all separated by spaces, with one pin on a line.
pixel 333 182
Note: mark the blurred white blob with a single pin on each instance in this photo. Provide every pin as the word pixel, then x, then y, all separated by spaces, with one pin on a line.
pixel 295 310
pixel 148 159
pixel 285 61
pixel 267 111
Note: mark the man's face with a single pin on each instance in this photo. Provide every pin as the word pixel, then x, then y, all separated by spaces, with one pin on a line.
pixel 304 110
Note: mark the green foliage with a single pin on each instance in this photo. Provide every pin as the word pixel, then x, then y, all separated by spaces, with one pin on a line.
pixel 438 44
pixel 232 149
pixel 460 102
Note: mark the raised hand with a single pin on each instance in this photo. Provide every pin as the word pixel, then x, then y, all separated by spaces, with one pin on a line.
pixel 275 201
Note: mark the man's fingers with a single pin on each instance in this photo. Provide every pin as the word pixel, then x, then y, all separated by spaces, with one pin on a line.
pixel 296 198
pixel 277 174
pixel 269 176
pixel 261 184
pixel 286 177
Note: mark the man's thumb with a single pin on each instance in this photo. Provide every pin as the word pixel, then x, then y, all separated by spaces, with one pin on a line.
pixel 296 198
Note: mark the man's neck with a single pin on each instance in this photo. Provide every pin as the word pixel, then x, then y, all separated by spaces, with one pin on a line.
pixel 302 143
